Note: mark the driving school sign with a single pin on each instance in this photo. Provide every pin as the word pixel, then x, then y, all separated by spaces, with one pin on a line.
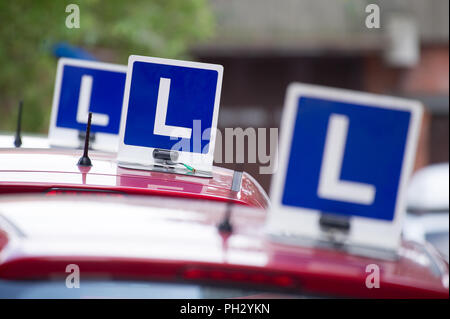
pixel 347 155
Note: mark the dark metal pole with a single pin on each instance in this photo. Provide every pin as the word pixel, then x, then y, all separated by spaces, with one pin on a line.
pixel 85 160
pixel 18 138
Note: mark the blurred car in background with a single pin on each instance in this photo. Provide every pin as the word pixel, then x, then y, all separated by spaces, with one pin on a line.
pixel 428 207
pixel 151 247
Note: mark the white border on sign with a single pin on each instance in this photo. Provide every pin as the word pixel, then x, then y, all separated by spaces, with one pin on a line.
pixel 303 222
pixel 130 154
pixel 66 137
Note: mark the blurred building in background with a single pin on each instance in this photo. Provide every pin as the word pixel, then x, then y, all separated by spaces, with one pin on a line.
pixel 264 45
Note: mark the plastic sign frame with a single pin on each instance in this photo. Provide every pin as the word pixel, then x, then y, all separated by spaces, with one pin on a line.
pixel 69 137
pixel 140 157
pixel 303 224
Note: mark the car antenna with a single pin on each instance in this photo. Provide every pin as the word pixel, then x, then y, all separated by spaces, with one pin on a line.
pixel 85 160
pixel 225 225
pixel 18 138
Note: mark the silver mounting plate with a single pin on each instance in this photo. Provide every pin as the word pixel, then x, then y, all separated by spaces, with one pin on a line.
pixel 357 250
pixel 172 169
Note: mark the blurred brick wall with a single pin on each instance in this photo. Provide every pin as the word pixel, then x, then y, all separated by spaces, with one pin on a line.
pixel 429 78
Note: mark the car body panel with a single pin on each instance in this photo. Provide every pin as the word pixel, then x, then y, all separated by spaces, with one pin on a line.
pixel 177 239
pixel 39 170
pixel 28 141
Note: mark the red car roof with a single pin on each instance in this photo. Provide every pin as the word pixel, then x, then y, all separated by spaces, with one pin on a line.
pixel 41 170
pixel 177 239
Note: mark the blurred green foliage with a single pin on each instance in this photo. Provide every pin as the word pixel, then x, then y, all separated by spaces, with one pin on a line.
pixel 113 29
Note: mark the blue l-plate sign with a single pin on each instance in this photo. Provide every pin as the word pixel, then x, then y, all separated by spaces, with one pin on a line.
pixel 170 105
pixel 82 87
pixel 347 154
